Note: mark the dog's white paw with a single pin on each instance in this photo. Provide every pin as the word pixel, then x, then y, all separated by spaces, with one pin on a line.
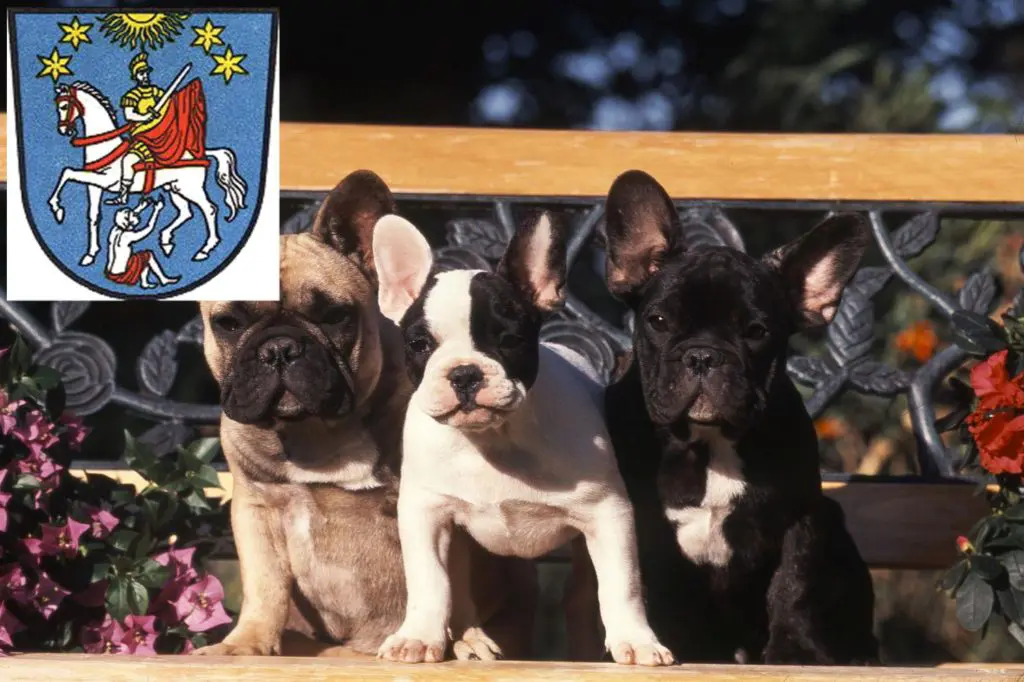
pixel 475 645
pixel 644 649
pixel 412 649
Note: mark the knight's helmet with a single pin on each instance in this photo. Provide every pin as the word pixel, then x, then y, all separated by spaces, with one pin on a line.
pixel 139 62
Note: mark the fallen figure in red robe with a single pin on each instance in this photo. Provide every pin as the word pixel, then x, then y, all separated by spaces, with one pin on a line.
pixel 126 266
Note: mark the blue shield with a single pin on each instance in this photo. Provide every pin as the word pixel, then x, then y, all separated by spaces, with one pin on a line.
pixel 142 141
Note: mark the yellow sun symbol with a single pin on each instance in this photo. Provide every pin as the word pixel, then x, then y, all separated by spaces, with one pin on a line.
pixel 142 29
pixel 75 33
pixel 228 64
pixel 54 66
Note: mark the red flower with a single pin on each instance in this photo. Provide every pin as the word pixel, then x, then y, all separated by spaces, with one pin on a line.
pixel 997 424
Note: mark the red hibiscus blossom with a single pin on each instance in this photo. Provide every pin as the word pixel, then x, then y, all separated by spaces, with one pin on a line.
pixel 997 424
pixel 200 607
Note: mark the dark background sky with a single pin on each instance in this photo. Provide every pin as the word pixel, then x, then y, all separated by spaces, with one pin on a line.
pixel 743 65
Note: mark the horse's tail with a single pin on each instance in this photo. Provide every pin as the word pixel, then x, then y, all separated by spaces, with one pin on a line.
pixel 229 180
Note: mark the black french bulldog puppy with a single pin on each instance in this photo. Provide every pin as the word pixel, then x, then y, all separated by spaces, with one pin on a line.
pixel 743 558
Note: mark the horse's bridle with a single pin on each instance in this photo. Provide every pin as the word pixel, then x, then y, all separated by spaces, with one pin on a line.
pixel 75 110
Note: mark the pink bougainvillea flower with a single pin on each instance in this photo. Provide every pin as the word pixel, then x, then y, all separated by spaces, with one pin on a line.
pixel 4 499
pixel 101 522
pixel 45 597
pixel 139 634
pixel 200 607
pixel 13 583
pixel 62 539
pixel 8 412
pixel 41 467
pixel 8 626
pixel 75 431
pixel 36 433
pixel 180 562
pixel 106 637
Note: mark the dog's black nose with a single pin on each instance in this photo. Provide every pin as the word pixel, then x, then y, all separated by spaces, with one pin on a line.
pixel 466 380
pixel 280 351
pixel 699 361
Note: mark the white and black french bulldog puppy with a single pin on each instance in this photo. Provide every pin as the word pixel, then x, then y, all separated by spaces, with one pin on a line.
pixel 504 436
pixel 742 555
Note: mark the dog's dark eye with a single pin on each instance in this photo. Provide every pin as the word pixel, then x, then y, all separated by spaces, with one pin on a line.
pixel 338 314
pixel 756 331
pixel 657 323
pixel 228 323
pixel 420 344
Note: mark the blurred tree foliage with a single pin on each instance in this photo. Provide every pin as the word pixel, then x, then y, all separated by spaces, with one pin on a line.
pixel 758 65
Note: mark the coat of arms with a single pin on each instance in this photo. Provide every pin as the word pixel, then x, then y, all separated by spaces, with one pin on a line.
pixel 142 147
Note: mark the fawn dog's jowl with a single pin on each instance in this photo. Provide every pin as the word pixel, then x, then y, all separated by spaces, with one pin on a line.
pixel 144 155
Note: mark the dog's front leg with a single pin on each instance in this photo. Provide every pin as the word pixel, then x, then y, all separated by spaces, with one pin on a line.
pixel 611 542
pixel 266 581
pixel 425 532
pixel 470 641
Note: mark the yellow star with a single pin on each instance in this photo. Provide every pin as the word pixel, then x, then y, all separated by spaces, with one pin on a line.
pixel 228 64
pixel 75 33
pixel 207 36
pixel 55 66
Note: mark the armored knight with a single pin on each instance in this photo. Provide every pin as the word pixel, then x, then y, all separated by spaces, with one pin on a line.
pixel 139 105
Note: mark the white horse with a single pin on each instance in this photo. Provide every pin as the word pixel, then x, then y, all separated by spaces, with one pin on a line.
pixel 101 171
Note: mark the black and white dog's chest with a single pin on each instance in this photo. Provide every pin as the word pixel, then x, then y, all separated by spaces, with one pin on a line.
pixel 699 487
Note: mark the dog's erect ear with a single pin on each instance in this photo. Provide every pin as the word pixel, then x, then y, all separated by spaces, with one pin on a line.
pixel 641 226
pixel 403 259
pixel 816 267
pixel 534 261
pixel 349 212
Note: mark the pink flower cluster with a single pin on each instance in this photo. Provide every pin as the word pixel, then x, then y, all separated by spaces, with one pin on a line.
pixel 187 599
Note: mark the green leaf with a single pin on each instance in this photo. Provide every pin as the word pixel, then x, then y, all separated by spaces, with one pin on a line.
pixel 954 576
pixel 56 401
pixel 20 357
pixel 117 598
pixel 100 572
pixel 27 482
pixel 142 544
pixel 123 539
pixel 199 641
pixel 138 597
pixel 1015 513
pixel 204 449
pixel 197 501
pixel 985 566
pixel 974 601
pixel 46 378
pixel 208 476
pixel 152 574
pixel 1014 563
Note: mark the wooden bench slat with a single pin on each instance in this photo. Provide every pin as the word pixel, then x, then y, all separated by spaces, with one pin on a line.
pixel 725 166
pixel 31 668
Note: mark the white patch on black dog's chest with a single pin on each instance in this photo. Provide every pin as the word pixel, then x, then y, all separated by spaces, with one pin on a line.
pixel 700 529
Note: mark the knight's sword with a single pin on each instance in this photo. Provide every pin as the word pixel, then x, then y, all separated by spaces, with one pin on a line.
pixel 170 90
